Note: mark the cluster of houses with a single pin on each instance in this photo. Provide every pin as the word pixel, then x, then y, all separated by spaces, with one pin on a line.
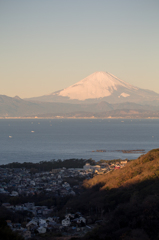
pixel 16 182
pixel 40 224
pixel 104 167
pixel 21 182
pixel 36 211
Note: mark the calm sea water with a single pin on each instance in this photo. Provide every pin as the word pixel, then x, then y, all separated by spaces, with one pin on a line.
pixel 40 140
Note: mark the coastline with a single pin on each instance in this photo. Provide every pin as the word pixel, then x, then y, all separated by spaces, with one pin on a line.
pixel 60 117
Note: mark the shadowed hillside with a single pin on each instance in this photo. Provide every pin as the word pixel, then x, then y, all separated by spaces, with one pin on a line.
pixel 127 201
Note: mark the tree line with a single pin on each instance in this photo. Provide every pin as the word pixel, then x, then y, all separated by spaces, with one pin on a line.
pixel 48 165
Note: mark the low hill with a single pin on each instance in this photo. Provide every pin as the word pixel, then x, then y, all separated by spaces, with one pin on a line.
pixel 145 167
pixel 125 200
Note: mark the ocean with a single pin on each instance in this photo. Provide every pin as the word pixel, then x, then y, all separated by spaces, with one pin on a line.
pixel 43 140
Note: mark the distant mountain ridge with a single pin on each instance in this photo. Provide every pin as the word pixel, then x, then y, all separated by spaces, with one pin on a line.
pixel 101 86
pixel 16 107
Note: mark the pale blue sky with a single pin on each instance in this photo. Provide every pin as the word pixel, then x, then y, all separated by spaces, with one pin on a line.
pixel 47 45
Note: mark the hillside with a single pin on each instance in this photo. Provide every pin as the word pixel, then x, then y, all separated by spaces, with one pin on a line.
pixel 145 167
pixel 127 201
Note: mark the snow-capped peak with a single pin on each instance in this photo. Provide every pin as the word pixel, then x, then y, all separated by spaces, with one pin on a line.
pixel 96 85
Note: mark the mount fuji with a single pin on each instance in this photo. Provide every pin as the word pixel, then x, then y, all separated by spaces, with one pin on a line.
pixel 100 95
pixel 97 85
pixel 101 86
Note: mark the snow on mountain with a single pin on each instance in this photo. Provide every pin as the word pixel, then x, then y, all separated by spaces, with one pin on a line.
pixel 124 95
pixel 101 86
pixel 97 85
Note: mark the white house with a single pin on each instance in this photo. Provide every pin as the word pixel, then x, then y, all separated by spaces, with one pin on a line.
pixel 69 215
pixel 48 189
pixel 32 182
pixel 29 205
pixel 26 234
pixel 14 194
pixel 50 219
pixel 42 221
pixel 41 230
pixel 66 185
pixel 124 162
pixel 31 224
pixel 19 207
pixel 87 167
pixel 81 219
pixel 66 222
pixel 96 167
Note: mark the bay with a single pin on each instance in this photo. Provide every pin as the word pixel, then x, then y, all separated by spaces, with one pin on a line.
pixel 27 140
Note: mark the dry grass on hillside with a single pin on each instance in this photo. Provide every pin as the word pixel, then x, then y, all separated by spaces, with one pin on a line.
pixel 144 168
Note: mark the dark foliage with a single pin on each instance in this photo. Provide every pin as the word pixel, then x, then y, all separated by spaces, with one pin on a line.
pixel 49 165
pixel 6 233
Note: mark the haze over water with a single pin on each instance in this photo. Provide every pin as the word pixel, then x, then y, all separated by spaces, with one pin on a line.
pixel 43 140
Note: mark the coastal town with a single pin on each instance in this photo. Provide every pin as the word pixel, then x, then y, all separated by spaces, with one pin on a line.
pixel 20 184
